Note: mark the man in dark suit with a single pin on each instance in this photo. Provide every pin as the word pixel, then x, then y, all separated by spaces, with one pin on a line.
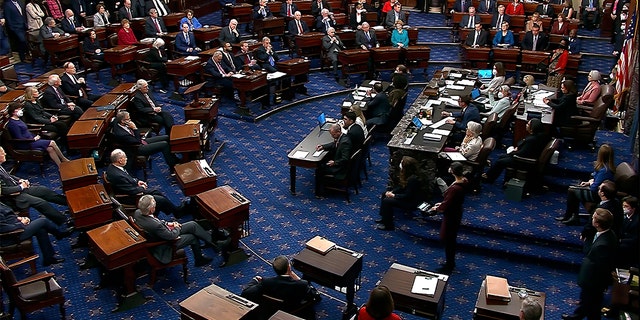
pixel 26 196
pixel 535 40
pixel 186 42
pixel 499 17
pixel 5 47
pixel 332 45
pixel 54 98
pixel 153 25
pixel 595 271
pixel 147 109
pixel 74 86
pixel 318 5
pixel 469 112
pixel 228 59
pixel 365 38
pixel 266 56
pixel 140 8
pixel 297 26
pixel 477 38
pixel 126 133
pixel 244 57
pixel 70 23
pixel 395 15
pixel 378 107
pixel 80 9
pixel 590 13
pixel 487 6
pixel 126 11
pixel 286 285
pixel 186 234
pixel 545 9
pixel 123 183
pixel 160 6
pixel 288 9
pixel 325 21
pixel 574 42
pixel 261 11
pixel 354 131
pixel 230 33
pixel 16 23
pixel 339 153
pixel 628 254
pixel 221 74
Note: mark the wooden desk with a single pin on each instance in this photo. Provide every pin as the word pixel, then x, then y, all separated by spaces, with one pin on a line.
pixel 123 56
pixel 251 87
pixel 297 68
pixel 63 48
pixel 399 279
pixel 272 26
pixel 124 88
pixel 224 210
pixel 309 44
pixel 116 246
pixel 11 96
pixel 86 136
pixel 183 67
pixel 93 113
pixel 89 206
pixel 354 61
pixel 243 12
pixel 207 37
pixel 195 177
pixel 205 110
pixel 530 59
pixel 509 57
pixel 386 58
pixel 491 309
pixel 78 173
pixel 478 56
pixel 281 315
pixel 302 154
pixel 303 6
pixel 215 303
pixel 185 138
pixel 172 21
pixel 339 268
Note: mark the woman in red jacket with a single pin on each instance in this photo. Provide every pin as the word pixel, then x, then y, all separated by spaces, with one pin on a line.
pixel 125 35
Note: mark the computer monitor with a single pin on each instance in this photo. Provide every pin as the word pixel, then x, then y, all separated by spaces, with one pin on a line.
pixel 475 93
pixel 322 119
pixel 485 74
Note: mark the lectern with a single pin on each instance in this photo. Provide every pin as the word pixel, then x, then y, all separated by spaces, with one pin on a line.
pixel 89 206
pixel 78 173
pixel 195 177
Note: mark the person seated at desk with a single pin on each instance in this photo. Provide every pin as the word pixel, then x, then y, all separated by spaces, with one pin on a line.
pixel 154 26
pixel 19 131
pixel 186 234
pixel 590 8
pixel 504 37
pixel 354 131
pixel 545 10
pixel 487 6
pixel 503 103
pixel 357 16
pixel 74 86
pixel 126 12
pixel 591 91
pixel 478 37
pixel 499 76
pixel 339 153
pixel 379 306
pixel 190 20
pixel 230 33
pixel 499 17
pixel 70 24
pixel 628 253
pixel 286 285
pixel 564 105
pixel 365 38
pixel 399 36
pixel 318 5
pixel 101 18
pixel 157 58
pixel 262 11
pixel 124 184
pixel 297 26
pixel 468 112
pixel 469 20
pixel 25 195
pixel 332 44
pixel 221 74
pixel 266 56
pixel 54 98
pixel 515 8
pixel 567 9
pixel 35 113
pixel 395 15
pixel 325 21
pixel 535 40
pixel 529 147
pixel 405 195
pixel 40 228
pixel 530 309
pixel 228 59
pixel 400 77
pixel 160 5
pixel 147 109
pixel 288 9
pixel 126 133
pixel 469 148
pixel 92 48
pixel 535 19
pixel 378 107
pixel 48 31
pixel 125 34
pixel 360 118
pixel 244 57
pixel 186 42
pixel 560 26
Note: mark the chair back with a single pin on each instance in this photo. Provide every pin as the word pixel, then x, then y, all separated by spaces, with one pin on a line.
pixel 510 81
pixel 626 179
pixel 7 276
pixel 507 116
pixel 489 124
pixel 546 154
pixel 488 145
pixel 113 40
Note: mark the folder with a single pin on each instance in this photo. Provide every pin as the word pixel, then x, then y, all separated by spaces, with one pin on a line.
pixel 320 245
pixel 498 288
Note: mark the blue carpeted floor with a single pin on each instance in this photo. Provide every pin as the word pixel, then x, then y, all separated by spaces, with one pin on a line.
pixel 517 240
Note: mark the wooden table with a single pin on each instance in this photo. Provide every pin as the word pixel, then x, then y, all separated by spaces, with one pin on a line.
pixel 123 56
pixel 86 136
pixel 399 279
pixel 117 100
pixel 195 177
pixel 89 206
pixel 243 12
pixel 339 268
pixel 124 88
pixel 309 44
pixel 354 61
pixel 297 68
pixel 63 48
pixel 172 21
pixel 487 309
pixel 183 67
pixel 251 87
pixel 207 37
pixel 215 303
pixel 93 113
pixel 302 154
pixel 11 96
pixel 78 173
pixel 271 26
pixel 386 58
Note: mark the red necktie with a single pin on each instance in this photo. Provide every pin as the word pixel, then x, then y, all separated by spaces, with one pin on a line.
pixel 157 25
pixel 300 31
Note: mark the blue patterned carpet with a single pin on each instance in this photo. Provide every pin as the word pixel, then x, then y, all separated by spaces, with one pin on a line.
pixel 517 240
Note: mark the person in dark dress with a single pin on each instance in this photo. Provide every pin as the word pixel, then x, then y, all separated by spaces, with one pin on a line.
pixel 565 105
pixel 35 113
pixel 406 195
pixel 92 48
pixel 157 58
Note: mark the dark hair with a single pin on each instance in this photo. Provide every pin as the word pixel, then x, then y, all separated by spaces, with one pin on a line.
pixel 631 201
pixel 457 169
pixel 570 85
pixel 188 11
pixel 409 168
pixel 499 70
pixel 536 126
pixel 608 187
pixel 604 218
pixel 378 87
pixel 380 304
pixel 13 106
pixel 467 98
pixel 280 265
pixel 351 115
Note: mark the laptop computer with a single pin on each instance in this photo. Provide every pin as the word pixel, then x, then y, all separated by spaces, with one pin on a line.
pixel 485 74
pixel 322 122
pixel 475 96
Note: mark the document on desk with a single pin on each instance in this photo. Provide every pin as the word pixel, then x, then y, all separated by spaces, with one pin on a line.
pixel 189 58
pixel 238 75
pixel 455 87
pixel 372 82
pixel 205 166
pixel 431 137
pixel 300 154
pixel 275 75
pixel 425 285
pixel 455 156
pixel 409 139
pixel 430 103
pixel 441 132
pixel 449 101
pixel 466 82
pixel 404 268
pixel 440 123
pixel 346 104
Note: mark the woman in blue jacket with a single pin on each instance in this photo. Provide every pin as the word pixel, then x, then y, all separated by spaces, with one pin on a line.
pixel 504 36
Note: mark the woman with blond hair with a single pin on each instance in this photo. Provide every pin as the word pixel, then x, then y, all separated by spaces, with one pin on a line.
pixel 360 119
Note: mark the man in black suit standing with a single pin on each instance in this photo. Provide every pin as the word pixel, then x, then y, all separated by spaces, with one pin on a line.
pixel 75 86
pixel 54 98
pixel 487 6
pixel 535 40
pixel 230 33
pixel 595 271
pixel 153 25
pixel 288 9
pixel 318 5
pixel 126 11
pixel 25 195
pixel 477 38
pixel 16 24
pixel 354 131
pixel 365 38
pixel 286 285
pixel 332 45
pixel 590 8
pixel 123 183
pixel 147 109
pixel 545 9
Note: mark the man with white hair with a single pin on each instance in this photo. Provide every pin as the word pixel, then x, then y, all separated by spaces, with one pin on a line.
pixel 266 56
pixel 230 33
pixel 332 45
pixel 147 110
pixel 54 98
pixel 70 24
pixel 325 21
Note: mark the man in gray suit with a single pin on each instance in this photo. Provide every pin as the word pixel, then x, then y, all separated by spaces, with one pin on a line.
pixel 332 45
pixel 49 30
pixel 395 15
pixel 187 234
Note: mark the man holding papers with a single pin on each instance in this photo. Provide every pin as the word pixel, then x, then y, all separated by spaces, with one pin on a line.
pixel 468 113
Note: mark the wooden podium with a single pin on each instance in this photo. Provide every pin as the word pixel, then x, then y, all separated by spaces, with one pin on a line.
pixel 195 177
pixel 90 206
pixel 207 37
pixel 185 138
pixel 86 135
pixel 78 173
pixel 251 87
pixel 215 303
pixel 226 208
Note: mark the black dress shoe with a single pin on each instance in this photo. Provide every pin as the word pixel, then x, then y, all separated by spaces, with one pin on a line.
pixel 562 218
pixel 65 233
pixel 385 227
pixel 571 316
pixel 202 260
pixel 574 221
pixel 51 261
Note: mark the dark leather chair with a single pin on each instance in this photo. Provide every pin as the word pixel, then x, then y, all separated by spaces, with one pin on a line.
pixel 626 180
pixel 488 125
pixel 350 180
pixel 477 166
pixel 583 129
pixel 10 76
pixel 88 63
pixel 16 249
pixel 17 154
pixel 112 39
pixel 268 305
pixel 129 203
pixel 625 297
pixel 179 256
pixel 532 170
pixel 366 154
pixel 504 124
pixel 33 293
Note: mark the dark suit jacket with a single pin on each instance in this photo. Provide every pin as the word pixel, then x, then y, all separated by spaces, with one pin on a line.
pixel 157 230
pixel 15 21
pixel 50 99
pixel 464 23
pixel 211 69
pixel 150 28
pixel 471 113
pixel 356 135
pixel 596 267
pixel 124 137
pixel 122 13
pixel 292 292
pixel 262 56
pixel 457 6
pixel 67 27
pixel 482 38
pixel 527 42
pixel 156 61
pixel 483 8
pixel 283 9
pixel 340 155
pixel 68 87
pixel 181 43
pixel 629 237
pixel 549 12
pixel 141 104
pixel 258 15
pixel 34 113
pixel 532 145
pixel 315 9
pixel 564 107
pixel 574 45
pixel 293 27
pixel 141 8
pixel 45 33
pixel 232 63
pixel 77 9
pixel 494 20
pixel 322 27
pixel 352 19
pixel 7 186
pixel 122 182
pixel 227 36
pixel 390 20
pixel 149 4
pixel 361 39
